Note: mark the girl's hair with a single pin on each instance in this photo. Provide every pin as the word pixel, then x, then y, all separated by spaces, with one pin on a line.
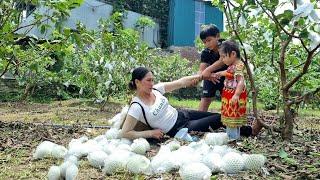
pixel 138 73
pixel 228 46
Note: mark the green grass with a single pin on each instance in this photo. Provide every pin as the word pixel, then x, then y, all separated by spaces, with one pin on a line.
pixel 309 112
pixel 216 106
pixel 192 103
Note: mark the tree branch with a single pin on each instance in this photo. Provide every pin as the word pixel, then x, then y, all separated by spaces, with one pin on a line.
pixel 273 17
pixel 272 52
pixel 283 75
pixel 304 46
pixel 5 69
pixel 5 20
pixel 315 49
pixel 32 24
pixel 305 96
pixel 304 69
pixel 10 11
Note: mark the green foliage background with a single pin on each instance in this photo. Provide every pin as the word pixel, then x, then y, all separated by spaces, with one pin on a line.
pixel 85 63
pixel 97 63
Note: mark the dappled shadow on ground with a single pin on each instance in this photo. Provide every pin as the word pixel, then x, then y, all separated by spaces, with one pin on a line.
pixel 298 159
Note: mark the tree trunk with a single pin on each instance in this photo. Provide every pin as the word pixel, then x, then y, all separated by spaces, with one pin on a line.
pixel 26 91
pixel 287 131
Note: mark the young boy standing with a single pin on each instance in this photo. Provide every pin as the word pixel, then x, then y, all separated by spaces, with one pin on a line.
pixel 210 37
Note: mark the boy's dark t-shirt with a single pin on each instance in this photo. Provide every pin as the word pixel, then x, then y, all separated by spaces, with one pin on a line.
pixel 209 57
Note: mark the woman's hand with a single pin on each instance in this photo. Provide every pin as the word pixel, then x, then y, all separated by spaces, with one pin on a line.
pixel 191 80
pixel 182 82
pixel 157 133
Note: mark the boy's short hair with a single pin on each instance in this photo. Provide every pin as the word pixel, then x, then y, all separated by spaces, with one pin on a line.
pixel 228 46
pixel 209 30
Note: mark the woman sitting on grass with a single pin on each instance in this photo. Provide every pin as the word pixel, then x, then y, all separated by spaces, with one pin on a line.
pixel 150 107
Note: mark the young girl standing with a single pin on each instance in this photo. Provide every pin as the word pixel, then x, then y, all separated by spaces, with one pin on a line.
pixel 234 94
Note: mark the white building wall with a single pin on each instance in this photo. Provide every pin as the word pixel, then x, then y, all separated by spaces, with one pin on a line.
pixel 89 14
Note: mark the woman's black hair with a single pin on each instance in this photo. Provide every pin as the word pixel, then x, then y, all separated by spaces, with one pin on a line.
pixel 138 73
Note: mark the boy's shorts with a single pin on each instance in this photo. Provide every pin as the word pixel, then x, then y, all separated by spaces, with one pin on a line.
pixel 209 88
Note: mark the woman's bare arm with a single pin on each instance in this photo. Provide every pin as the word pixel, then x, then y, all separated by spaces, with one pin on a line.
pixel 129 132
pixel 182 82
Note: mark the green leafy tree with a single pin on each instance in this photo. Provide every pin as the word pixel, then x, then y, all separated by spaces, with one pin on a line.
pixel 144 22
pixel 103 59
pixel 282 40
pixel 28 58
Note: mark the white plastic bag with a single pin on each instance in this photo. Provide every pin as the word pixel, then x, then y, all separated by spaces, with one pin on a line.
pixel 183 135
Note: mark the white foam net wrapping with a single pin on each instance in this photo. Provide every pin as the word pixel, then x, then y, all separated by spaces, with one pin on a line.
pixel 185 155
pixel 113 133
pixel 212 161
pixel 253 161
pixel 71 172
pixel 96 159
pixel 195 171
pixel 54 173
pixel 140 146
pixel 200 147
pixel 118 119
pixel 164 161
pixel 216 139
pixel 117 160
pixel 49 149
pixel 232 163
pixel 173 145
pixel 110 153
pixel 138 164
pixel 64 169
